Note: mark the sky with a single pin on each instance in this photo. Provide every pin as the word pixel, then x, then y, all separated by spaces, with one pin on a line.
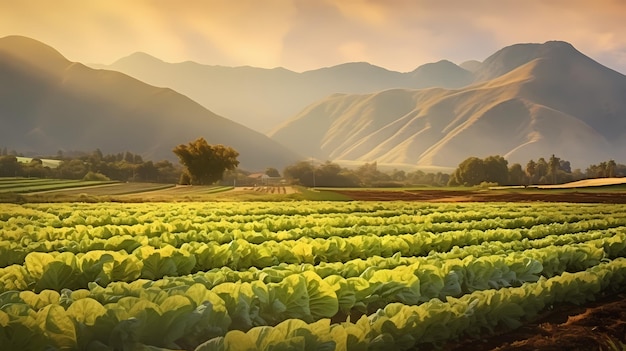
pixel 302 35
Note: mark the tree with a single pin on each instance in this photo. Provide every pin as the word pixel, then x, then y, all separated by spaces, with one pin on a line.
pixel 147 172
pixel 496 169
pixel 9 166
pixel 168 173
pixel 553 166
pixel 602 169
pixel 331 174
pixel 72 169
pixel 469 172
pixel 272 172
pixel 565 166
pixel 541 170
pixel 610 168
pixel 531 170
pixel 204 163
pixel 370 175
pixel 326 174
pixel 398 175
pixel 301 172
pixel 516 174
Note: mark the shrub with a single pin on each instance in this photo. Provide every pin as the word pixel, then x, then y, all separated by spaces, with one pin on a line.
pixel 95 176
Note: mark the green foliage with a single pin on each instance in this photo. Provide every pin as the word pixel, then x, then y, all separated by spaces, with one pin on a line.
pixel 606 169
pixel 9 167
pixel 121 167
pixel 299 275
pixel 272 172
pixel 470 172
pixel 494 169
pixel 302 173
pixel 185 179
pixel 329 174
pixel 205 164
pixel 95 176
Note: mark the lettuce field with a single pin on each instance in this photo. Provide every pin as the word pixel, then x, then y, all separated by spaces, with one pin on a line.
pixel 295 275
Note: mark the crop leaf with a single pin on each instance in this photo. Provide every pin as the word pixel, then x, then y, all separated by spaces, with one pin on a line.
pixel 322 298
pixel 57 326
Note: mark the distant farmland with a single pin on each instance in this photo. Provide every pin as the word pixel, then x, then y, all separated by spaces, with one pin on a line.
pixel 46 162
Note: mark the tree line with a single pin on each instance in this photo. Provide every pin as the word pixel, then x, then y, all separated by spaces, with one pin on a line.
pixel 203 164
pixel 496 170
pixel 329 174
pixel 124 166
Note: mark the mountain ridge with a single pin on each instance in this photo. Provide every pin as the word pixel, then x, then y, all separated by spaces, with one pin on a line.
pixel 533 100
pixel 545 101
pixel 67 105
pixel 267 97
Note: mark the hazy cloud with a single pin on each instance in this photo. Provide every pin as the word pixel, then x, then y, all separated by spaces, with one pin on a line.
pixel 307 34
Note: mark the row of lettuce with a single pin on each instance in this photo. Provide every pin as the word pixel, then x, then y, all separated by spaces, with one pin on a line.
pixel 388 284
pixel 57 270
pixel 320 237
pixel 126 316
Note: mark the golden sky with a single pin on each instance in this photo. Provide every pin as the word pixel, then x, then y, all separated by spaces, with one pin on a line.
pixel 307 34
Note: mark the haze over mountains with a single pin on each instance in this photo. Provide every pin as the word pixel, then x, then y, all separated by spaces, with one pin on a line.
pixel 523 102
pixel 262 98
pixel 48 103
pixel 529 101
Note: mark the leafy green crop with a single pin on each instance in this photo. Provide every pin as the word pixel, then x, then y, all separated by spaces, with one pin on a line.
pixel 318 276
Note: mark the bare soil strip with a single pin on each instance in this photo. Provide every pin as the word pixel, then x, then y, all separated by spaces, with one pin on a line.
pixel 483 196
pixel 596 326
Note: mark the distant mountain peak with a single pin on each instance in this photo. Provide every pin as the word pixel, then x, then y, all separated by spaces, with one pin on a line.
pixel 513 56
pixel 471 65
pixel 439 65
pixel 558 44
pixel 442 73
pixel 32 51
pixel 351 67
pixel 138 57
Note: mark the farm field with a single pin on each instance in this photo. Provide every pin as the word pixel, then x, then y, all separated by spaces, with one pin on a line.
pixel 108 189
pixel 608 194
pixel 298 275
pixel 60 190
pixel 605 190
pixel 31 185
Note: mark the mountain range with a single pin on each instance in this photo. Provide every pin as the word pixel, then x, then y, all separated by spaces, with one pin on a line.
pixel 527 101
pixel 523 102
pixel 48 103
pixel 262 98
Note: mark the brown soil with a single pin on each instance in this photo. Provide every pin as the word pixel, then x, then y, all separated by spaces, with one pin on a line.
pixel 484 196
pixel 600 325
